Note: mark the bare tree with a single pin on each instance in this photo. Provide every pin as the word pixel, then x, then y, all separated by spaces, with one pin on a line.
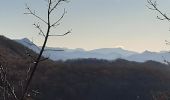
pixel 153 5
pixel 50 24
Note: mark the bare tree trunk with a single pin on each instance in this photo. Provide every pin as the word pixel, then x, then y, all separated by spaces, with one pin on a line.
pixel 52 5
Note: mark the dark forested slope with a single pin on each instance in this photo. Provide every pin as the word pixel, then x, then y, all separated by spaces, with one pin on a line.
pixel 92 79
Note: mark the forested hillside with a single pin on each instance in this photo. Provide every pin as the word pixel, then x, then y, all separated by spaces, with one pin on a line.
pixel 85 79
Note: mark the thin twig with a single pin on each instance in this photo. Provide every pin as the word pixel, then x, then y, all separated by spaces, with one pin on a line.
pixel 34 14
pixel 55 23
pixel 153 5
pixel 61 34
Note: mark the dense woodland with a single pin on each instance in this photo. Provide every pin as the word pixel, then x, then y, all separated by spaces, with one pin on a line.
pixel 85 79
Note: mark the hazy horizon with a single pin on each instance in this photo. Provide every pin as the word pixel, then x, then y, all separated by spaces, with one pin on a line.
pixel 117 47
pixel 95 24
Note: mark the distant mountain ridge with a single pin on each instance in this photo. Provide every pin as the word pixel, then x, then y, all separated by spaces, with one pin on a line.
pixel 102 53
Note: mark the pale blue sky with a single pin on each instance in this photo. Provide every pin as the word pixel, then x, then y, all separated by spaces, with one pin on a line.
pixel 94 24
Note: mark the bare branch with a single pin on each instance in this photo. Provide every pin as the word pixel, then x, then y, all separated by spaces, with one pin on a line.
pixel 7 84
pixel 55 5
pixel 39 28
pixel 30 12
pixel 153 5
pixel 61 34
pixel 56 23
pixel 160 18
pixel 28 71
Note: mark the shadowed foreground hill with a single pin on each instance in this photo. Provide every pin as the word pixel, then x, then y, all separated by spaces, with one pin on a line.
pixel 10 49
pixel 92 79
pixel 86 79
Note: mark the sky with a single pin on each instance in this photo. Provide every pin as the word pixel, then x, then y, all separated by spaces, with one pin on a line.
pixel 94 23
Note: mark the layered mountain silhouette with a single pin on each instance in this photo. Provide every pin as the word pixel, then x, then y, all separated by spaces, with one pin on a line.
pixel 102 53
pixel 86 79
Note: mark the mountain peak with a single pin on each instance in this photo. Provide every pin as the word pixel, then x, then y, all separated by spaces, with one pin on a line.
pixel 26 40
pixel 148 52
